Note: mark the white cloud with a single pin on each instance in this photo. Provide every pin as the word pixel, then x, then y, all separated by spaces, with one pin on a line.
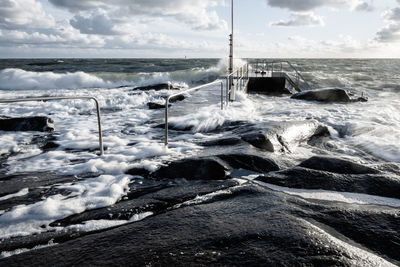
pixel 191 12
pixel 364 6
pixel 95 23
pixel 300 19
pixel 390 32
pixel 16 14
pixel 392 14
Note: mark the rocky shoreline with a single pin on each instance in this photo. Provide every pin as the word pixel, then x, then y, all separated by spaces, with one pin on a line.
pixel 236 203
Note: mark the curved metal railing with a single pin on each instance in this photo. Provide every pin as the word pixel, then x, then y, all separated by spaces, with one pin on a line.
pixel 180 93
pixel 65 98
pixel 241 76
pixel 268 67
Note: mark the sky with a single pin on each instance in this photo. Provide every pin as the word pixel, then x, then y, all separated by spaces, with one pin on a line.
pixel 199 28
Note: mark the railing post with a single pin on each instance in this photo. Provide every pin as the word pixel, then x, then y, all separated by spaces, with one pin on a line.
pixel 99 127
pixel 222 95
pixel 227 89
pixel 101 147
pixel 166 122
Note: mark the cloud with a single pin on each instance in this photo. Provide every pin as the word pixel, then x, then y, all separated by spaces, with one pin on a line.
pixel 309 5
pixel 364 6
pixel 300 19
pixel 390 32
pixel 392 14
pixel 16 14
pixel 78 5
pixel 191 12
pixel 96 23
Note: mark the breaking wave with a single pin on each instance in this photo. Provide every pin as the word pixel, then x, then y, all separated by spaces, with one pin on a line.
pixel 19 79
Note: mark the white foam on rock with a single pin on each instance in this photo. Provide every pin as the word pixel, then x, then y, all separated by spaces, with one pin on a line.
pixel 357 255
pixel 20 193
pixel 372 127
pixel 95 225
pixel 6 254
pixel 88 194
pixel 346 197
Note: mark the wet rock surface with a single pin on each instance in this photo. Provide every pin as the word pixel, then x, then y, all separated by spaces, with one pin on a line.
pixel 157 87
pixel 218 209
pixel 246 224
pixel 193 169
pixel 285 136
pixel 336 165
pixel 38 123
pixel 328 96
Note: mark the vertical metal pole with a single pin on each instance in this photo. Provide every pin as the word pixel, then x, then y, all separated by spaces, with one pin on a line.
pixel 222 95
pixel 99 125
pixel 231 52
pixel 227 90
pixel 237 80
pixel 166 122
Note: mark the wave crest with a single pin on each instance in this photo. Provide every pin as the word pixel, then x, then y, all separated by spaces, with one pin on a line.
pixel 18 79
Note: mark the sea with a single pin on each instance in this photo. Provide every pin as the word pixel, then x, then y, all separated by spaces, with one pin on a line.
pixel 364 132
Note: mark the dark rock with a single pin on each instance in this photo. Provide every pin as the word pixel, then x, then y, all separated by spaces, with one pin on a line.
pixel 222 142
pixel 50 146
pixel 336 165
pixel 45 141
pixel 325 95
pixel 285 136
pixel 250 162
pixel 250 226
pixel 193 169
pixel 373 184
pixel 153 105
pixel 157 87
pixel 10 184
pixel 260 141
pixel 138 172
pixel 38 123
pixel 176 98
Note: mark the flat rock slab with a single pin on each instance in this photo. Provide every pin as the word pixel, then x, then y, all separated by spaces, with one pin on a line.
pixel 337 165
pixel 250 226
pixel 384 185
pixel 38 123
pixel 209 168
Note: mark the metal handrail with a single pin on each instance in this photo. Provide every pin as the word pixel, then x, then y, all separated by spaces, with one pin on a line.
pixel 272 64
pixel 65 98
pixel 180 93
pixel 244 74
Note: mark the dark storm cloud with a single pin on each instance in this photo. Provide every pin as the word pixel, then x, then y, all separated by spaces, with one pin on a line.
pixel 77 5
pixel 308 5
pixel 303 5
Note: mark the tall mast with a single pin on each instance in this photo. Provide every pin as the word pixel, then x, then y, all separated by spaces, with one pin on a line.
pixel 230 69
pixel 231 43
